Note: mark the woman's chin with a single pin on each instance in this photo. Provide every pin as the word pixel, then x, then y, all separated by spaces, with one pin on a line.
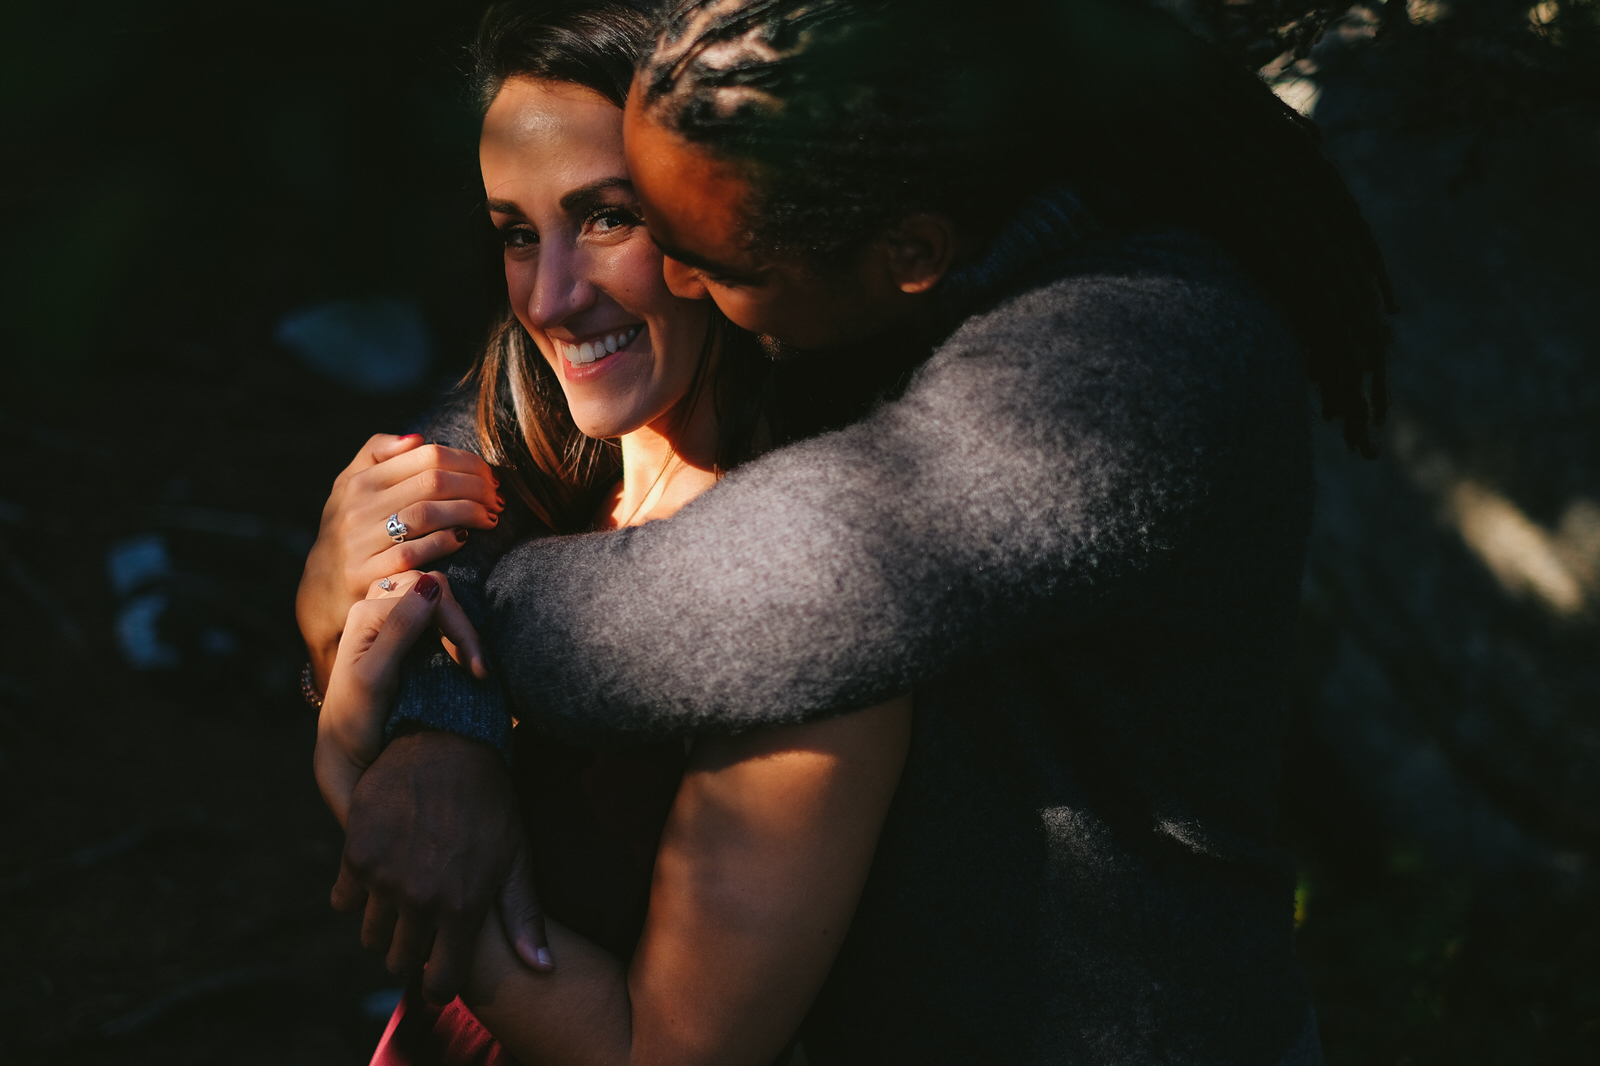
pixel 600 424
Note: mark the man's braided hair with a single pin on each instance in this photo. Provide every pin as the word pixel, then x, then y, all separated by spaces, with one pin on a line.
pixel 849 115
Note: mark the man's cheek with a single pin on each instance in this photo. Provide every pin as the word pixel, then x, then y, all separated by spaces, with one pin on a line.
pixel 738 309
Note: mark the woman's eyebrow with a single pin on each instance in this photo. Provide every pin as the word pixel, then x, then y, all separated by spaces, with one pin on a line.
pixel 573 202
pixel 584 195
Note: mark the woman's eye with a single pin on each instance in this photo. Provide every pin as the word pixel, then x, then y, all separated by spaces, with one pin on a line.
pixel 518 237
pixel 611 219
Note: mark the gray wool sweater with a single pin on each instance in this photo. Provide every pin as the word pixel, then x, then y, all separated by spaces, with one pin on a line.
pixel 1077 537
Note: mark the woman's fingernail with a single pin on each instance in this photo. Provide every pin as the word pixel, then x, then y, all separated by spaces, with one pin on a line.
pixel 500 501
pixel 461 535
pixel 427 587
pixel 493 518
pixel 545 957
pixel 412 436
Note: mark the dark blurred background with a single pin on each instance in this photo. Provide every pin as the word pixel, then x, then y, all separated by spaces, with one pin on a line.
pixel 238 239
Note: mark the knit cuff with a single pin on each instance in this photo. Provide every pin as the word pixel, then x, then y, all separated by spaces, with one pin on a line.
pixel 438 694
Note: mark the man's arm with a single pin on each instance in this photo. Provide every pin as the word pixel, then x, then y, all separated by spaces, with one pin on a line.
pixel 1052 456
pixel 1049 460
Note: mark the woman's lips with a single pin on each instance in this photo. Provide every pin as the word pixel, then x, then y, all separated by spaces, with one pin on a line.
pixel 579 360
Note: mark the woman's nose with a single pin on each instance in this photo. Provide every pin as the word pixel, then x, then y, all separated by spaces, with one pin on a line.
pixel 683 281
pixel 561 286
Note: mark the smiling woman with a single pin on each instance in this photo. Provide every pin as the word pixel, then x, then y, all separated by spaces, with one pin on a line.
pixel 585 282
pixel 752 850
pixel 593 347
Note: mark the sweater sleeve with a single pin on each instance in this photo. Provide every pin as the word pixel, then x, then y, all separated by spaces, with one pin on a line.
pixel 434 691
pixel 1052 456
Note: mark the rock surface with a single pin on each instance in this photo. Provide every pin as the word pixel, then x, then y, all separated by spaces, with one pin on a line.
pixel 1452 596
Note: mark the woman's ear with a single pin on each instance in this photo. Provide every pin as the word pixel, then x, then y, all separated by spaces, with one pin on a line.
pixel 919 249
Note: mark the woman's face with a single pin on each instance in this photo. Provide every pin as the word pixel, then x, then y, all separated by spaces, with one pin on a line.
pixel 584 277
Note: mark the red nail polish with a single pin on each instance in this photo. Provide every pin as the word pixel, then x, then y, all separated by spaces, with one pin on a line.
pixel 427 587
pixel 461 535
pixel 412 436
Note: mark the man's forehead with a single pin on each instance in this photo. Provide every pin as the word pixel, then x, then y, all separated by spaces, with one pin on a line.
pixel 702 201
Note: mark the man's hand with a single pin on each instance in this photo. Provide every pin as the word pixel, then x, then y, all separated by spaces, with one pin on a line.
pixel 433 839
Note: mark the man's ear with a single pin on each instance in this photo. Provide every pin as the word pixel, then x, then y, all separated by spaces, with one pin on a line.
pixel 919 249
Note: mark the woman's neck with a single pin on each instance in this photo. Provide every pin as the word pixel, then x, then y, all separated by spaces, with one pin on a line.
pixel 664 466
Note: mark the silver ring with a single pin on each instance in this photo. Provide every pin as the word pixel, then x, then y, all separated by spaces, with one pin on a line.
pixel 397 529
pixel 385 584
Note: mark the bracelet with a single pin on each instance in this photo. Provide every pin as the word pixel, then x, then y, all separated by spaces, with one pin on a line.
pixel 308 686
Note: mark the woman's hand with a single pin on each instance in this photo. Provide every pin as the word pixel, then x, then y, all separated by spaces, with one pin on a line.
pixel 439 493
pixel 378 632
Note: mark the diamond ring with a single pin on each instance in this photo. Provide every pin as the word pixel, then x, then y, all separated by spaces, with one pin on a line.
pixel 385 584
pixel 396 528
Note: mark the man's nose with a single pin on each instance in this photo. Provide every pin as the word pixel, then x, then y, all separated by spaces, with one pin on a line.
pixel 683 281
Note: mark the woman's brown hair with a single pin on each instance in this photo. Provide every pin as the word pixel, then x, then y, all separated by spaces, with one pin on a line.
pixel 524 426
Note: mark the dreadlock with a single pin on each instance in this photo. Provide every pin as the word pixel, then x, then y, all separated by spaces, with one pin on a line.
pixel 852 114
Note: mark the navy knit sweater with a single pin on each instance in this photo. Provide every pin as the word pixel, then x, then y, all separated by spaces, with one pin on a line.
pixel 1078 537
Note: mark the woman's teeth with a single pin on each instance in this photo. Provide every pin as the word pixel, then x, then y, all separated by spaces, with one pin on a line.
pixel 591 351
